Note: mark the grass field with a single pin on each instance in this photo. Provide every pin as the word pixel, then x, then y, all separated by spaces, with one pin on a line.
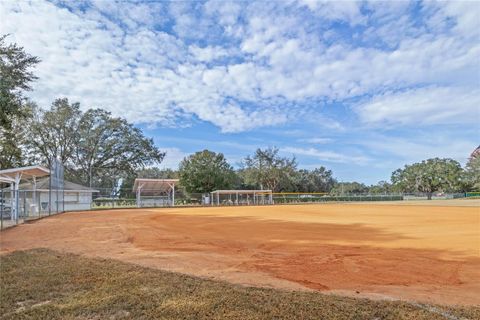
pixel 417 253
pixel 44 284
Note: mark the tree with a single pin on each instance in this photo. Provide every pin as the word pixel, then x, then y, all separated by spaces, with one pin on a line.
pixel 13 142
pixel 54 133
pixel 266 169
pixel 429 176
pixel 349 188
pixel 205 171
pixel 157 173
pixel 316 180
pixel 472 174
pixel 95 148
pixel 110 148
pixel 15 78
pixel 382 187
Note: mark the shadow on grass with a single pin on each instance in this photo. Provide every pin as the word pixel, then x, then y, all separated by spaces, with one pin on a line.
pixel 44 284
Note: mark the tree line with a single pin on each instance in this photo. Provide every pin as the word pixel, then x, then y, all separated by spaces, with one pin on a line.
pixel 266 169
pixel 103 151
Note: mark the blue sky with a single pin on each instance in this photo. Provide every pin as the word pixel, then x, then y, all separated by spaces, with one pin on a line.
pixel 361 88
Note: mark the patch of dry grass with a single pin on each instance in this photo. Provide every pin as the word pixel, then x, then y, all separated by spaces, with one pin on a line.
pixel 44 284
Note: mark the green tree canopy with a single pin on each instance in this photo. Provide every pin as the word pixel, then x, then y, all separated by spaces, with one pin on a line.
pixel 15 78
pixel 110 147
pixel 15 110
pixel 95 148
pixel 157 173
pixel 316 180
pixel 429 176
pixel 266 169
pixel 206 171
pixel 54 133
pixel 13 141
pixel 472 174
pixel 382 187
pixel 349 188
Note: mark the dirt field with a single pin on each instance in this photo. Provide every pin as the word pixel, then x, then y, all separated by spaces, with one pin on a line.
pixel 415 252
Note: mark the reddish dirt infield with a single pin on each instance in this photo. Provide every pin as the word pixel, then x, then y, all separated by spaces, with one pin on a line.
pixel 422 253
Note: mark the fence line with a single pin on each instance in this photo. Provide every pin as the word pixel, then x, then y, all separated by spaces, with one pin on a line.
pixel 42 203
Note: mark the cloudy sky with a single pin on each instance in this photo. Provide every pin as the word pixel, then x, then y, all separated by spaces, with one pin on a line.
pixel 359 87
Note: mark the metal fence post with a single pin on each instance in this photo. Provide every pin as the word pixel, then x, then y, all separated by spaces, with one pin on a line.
pixel 17 205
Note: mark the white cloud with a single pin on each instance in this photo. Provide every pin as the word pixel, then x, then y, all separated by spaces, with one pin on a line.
pixel 336 10
pixel 431 105
pixel 173 158
pixel 317 140
pixel 408 150
pixel 328 156
pixel 242 66
pixel 208 53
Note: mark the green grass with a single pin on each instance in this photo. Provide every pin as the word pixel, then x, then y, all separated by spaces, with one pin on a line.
pixel 44 284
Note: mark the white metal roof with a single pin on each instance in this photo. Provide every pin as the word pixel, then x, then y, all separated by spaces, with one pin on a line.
pixel 154 185
pixel 6 179
pixel 26 172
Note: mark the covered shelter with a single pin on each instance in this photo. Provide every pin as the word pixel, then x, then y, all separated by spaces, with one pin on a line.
pixel 155 192
pixel 241 197
pixel 14 176
pixel 37 200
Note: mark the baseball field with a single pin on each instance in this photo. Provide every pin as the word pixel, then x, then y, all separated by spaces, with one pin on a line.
pixel 425 253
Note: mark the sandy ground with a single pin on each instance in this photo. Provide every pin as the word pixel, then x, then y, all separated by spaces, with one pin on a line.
pixel 424 253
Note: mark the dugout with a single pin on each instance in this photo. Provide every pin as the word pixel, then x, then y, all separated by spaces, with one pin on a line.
pixel 155 192
pixel 241 197
pixel 11 198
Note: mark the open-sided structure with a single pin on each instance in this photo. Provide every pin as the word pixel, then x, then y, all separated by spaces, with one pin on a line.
pixel 155 192
pixel 38 196
pixel 241 197
pixel 13 177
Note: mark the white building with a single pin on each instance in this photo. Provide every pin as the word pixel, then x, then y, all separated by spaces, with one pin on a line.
pixel 43 200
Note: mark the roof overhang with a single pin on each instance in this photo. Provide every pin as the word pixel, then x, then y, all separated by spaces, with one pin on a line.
pixel 69 190
pixel 6 179
pixel 25 172
pixel 153 186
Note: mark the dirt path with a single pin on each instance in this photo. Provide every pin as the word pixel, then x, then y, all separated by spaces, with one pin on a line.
pixel 423 253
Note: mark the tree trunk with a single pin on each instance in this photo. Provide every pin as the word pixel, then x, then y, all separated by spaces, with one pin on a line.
pixel 429 195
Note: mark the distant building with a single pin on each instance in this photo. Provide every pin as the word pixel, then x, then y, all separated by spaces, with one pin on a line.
pixel 476 153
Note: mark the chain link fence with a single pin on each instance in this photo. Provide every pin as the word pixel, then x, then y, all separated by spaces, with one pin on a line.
pixel 107 198
pixel 35 204
pixel 31 205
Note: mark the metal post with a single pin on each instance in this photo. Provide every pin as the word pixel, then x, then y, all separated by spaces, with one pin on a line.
pixel 173 195
pixel 139 194
pixel 24 203
pixel 56 197
pixel 34 195
pixel 50 192
pixel 237 198
pixel 17 205
pixel 12 201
